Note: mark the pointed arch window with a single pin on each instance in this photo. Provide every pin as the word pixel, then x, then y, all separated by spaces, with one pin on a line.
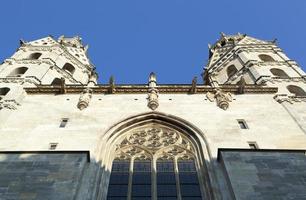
pixel 156 162
pixel 18 72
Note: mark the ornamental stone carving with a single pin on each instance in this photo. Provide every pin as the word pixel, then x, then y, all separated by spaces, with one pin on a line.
pixel 85 98
pixel 222 99
pixel 193 88
pixel 112 87
pixel 280 98
pixel 129 152
pixel 152 141
pixel 9 104
pixel 153 138
pixel 152 92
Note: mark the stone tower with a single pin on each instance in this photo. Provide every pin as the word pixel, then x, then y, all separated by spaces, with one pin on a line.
pixel 236 57
pixel 243 60
pixel 45 62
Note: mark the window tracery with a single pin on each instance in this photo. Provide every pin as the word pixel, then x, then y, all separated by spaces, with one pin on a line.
pixel 160 160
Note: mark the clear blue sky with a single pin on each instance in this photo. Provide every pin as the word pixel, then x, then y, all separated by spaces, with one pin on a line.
pixel 131 38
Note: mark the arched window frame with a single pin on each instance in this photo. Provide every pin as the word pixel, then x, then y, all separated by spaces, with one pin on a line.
pixel 279 73
pixel 266 58
pixel 4 91
pixel 296 90
pixel 69 68
pixel 231 71
pixel 35 56
pixel 18 72
pixel 56 82
pixel 159 154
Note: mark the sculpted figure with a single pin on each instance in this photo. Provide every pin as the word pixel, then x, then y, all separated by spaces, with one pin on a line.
pixel 84 98
pixel 222 99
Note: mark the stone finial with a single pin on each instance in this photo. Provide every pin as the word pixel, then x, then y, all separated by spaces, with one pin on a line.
pixel 61 38
pixel 222 99
pixel 193 88
pixel 152 79
pixel 274 41
pixel 86 48
pixel 152 92
pixel 84 98
pixel 222 34
pixel 22 42
pixel 111 88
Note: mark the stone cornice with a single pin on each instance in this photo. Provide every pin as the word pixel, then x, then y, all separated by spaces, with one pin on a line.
pixel 21 80
pixel 280 98
pixel 287 79
pixel 47 61
pixel 143 89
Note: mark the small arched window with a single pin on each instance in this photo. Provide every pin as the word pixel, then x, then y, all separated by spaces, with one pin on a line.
pixel 297 91
pixel 34 56
pixel 18 72
pixel 69 68
pixel 56 81
pixel 279 73
pixel 3 91
pixel 265 58
pixel 231 70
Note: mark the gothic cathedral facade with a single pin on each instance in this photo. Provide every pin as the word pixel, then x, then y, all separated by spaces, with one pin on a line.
pixel 238 134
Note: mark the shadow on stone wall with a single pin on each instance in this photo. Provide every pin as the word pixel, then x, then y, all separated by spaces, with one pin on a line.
pixel 47 175
pixel 265 174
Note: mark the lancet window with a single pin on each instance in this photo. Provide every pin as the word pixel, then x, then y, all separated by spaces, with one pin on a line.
pixel 154 163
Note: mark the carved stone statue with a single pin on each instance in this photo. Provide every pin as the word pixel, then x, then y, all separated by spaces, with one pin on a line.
pixel 222 98
pixel 84 98
pixel 193 88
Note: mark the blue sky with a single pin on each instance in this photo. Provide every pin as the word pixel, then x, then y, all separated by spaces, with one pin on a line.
pixel 131 38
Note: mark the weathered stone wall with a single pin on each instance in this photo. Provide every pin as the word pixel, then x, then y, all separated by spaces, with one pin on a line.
pixel 40 175
pixel 266 174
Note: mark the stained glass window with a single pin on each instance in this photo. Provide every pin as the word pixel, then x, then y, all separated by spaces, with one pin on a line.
pixel 166 182
pixel 141 183
pixel 189 182
pixel 119 180
pixel 170 178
